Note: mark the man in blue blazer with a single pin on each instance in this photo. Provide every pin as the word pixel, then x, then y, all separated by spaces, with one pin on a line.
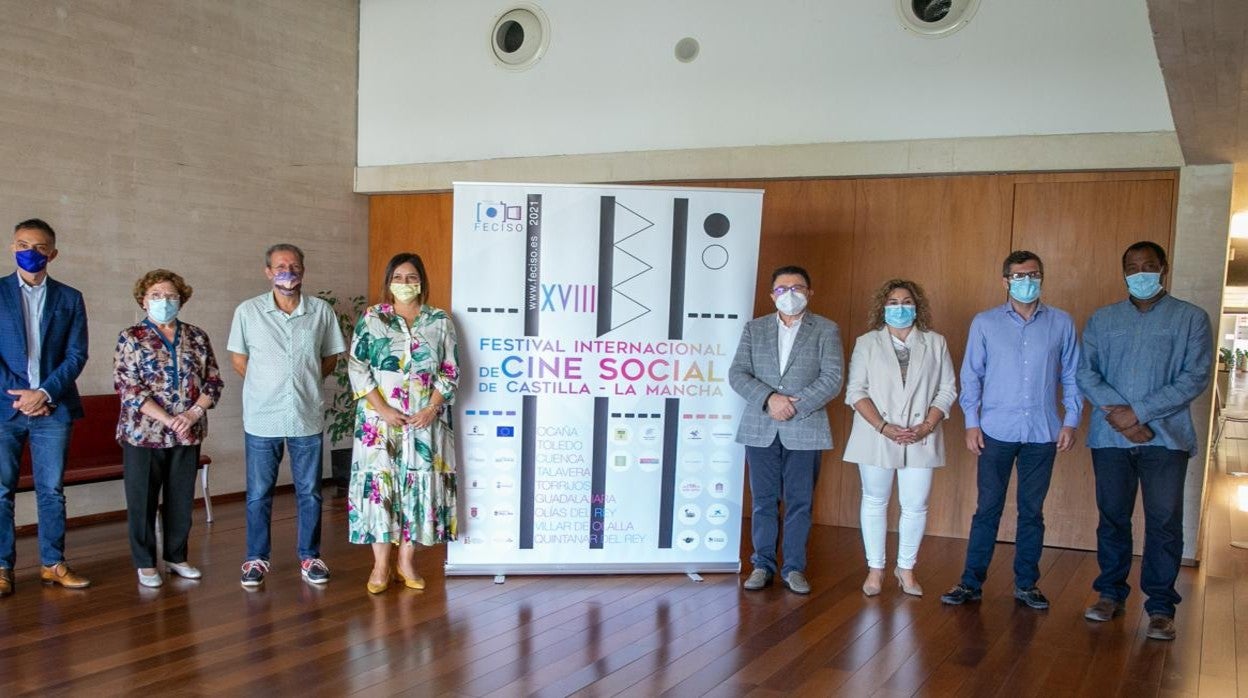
pixel 788 366
pixel 43 348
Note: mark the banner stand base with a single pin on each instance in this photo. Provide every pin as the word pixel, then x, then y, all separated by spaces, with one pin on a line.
pixel 499 572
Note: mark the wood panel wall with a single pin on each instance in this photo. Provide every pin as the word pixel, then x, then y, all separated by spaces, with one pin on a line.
pixel 948 233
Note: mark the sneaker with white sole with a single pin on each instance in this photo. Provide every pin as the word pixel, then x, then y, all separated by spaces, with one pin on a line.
pixel 314 570
pixel 183 570
pixel 254 571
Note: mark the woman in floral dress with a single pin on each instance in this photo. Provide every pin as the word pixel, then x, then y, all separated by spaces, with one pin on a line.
pixel 403 364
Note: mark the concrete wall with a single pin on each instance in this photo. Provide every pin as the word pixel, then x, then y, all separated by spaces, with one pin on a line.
pixel 1197 274
pixel 187 135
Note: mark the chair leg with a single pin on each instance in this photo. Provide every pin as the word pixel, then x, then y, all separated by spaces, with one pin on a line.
pixel 203 483
pixel 1217 434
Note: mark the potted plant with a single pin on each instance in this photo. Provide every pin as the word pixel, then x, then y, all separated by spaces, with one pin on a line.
pixel 1241 360
pixel 1226 357
pixel 340 407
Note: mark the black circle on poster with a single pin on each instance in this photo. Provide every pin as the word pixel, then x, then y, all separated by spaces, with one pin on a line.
pixel 716 225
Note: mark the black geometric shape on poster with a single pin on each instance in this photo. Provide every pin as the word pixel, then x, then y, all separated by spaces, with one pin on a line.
pixel 716 225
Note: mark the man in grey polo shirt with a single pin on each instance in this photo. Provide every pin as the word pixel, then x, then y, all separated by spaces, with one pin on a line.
pixel 283 343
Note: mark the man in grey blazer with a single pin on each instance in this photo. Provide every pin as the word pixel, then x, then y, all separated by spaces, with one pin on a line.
pixel 788 366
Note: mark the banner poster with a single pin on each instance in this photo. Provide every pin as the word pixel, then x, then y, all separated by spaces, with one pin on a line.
pixel 596 427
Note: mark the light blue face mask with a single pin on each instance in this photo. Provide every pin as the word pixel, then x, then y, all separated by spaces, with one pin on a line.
pixel 899 316
pixel 1025 290
pixel 162 310
pixel 1144 285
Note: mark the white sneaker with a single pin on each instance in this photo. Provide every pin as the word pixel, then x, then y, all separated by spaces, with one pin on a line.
pixel 150 580
pixel 183 570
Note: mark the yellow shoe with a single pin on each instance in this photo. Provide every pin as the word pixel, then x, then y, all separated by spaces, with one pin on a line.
pixel 413 582
pixel 61 574
pixel 374 588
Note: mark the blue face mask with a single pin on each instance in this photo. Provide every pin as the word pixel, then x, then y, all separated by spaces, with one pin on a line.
pixel 899 316
pixel 162 310
pixel 32 260
pixel 1025 290
pixel 1144 285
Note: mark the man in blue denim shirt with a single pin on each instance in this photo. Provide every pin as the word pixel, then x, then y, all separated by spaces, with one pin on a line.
pixel 1017 355
pixel 1144 360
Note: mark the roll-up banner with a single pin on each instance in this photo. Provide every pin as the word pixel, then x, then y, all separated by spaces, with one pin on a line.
pixel 594 419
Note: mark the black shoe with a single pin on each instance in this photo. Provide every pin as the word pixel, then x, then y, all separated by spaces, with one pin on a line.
pixel 960 594
pixel 1032 597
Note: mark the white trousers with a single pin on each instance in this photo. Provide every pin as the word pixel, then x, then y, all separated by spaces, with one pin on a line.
pixel 913 486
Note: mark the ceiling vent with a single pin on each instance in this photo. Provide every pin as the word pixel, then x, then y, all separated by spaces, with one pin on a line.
pixel 520 37
pixel 935 18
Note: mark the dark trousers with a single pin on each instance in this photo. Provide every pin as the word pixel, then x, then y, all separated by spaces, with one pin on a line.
pixel 1160 474
pixel 776 471
pixel 148 473
pixel 1035 470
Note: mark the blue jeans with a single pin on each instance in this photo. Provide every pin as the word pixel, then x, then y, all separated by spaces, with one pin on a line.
pixel 1035 470
pixel 775 470
pixel 1161 474
pixel 49 442
pixel 264 454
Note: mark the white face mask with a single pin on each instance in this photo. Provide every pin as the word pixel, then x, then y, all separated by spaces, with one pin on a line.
pixel 791 302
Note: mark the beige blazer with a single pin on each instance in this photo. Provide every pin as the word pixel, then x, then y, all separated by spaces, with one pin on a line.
pixel 875 373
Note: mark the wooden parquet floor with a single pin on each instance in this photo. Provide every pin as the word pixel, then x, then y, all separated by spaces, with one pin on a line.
pixel 628 635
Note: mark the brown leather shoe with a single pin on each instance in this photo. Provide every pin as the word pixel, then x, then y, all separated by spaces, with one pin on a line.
pixel 61 574
pixel 1160 627
pixel 6 581
pixel 1104 609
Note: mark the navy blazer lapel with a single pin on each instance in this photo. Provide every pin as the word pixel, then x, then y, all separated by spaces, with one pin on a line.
pixel 12 298
pixel 52 295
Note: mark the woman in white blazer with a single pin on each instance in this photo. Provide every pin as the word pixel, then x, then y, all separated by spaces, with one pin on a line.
pixel 901 387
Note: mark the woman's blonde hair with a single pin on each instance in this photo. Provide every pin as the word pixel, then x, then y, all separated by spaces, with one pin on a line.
pixel 922 311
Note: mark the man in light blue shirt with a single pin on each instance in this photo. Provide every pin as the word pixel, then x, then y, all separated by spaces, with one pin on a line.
pixel 1016 356
pixel 284 342
pixel 1144 360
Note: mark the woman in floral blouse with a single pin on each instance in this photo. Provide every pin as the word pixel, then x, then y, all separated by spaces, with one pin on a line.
pixel 403 364
pixel 167 378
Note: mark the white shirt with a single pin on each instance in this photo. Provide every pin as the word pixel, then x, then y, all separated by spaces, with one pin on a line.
pixel 33 300
pixel 788 335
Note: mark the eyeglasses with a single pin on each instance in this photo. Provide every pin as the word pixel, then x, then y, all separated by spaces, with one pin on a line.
pixel 1020 275
pixel 796 288
pixel 163 297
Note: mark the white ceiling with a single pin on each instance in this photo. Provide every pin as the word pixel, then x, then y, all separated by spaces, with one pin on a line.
pixel 769 73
